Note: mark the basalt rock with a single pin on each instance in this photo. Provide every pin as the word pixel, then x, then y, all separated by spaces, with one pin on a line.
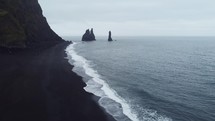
pixel 88 36
pixel 92 35
pixel 109 36
pixel 22 24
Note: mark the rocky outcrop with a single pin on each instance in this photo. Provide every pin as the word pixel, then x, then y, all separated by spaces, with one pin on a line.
pixel 92 35
pixel 88 36
pixel 109 36
pixel 22 24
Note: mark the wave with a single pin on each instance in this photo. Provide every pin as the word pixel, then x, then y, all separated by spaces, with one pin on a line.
pixel 114 104
pixel 110 100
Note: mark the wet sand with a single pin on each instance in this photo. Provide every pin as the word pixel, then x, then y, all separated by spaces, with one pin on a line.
pixel 39 85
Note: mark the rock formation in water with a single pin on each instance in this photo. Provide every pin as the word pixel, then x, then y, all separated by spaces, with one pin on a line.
pixel 109 36
pixel 92 35
pixel 88 36
pixel 22 24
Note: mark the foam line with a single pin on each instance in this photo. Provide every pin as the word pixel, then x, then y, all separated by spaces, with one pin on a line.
pixel 96 83
pixel 110 100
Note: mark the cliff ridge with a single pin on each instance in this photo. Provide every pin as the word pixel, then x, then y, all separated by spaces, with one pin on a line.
pixel 22 25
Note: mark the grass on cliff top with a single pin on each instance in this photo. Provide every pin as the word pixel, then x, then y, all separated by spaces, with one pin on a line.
pixel 3 12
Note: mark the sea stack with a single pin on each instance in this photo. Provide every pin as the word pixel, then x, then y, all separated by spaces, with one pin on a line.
pixel 89 35
pixel 92 35
pixel 109 36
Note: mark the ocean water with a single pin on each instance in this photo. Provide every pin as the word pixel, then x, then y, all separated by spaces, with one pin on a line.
pixel 149 78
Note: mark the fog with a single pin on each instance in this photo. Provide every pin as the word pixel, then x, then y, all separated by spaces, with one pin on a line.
pixel 131 17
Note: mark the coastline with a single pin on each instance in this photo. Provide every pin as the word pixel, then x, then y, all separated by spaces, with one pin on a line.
pixel 114 104
pixel 40 85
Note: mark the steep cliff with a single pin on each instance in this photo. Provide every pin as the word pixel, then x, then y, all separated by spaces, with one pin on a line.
pixel 22 24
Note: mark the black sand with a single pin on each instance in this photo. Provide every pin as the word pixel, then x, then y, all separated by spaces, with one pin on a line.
pixel 39 85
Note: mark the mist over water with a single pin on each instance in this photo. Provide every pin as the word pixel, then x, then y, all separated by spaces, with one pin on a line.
pixel 157 78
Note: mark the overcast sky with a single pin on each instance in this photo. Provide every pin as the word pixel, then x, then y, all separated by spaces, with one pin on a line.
pixel 131 17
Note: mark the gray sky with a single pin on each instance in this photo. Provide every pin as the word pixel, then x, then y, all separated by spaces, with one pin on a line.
pixel 131 17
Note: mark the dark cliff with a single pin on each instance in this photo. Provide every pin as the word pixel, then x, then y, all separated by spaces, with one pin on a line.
pixel 22 24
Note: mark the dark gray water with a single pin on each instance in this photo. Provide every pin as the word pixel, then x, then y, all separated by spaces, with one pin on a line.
pixel 160 78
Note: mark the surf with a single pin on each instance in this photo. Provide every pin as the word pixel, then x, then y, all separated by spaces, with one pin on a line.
pixel 109 99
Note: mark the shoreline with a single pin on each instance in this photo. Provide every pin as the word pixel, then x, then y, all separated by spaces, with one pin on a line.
pixel 114 104
pixel 40 85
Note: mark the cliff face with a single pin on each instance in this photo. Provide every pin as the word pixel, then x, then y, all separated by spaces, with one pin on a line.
pixel 22 24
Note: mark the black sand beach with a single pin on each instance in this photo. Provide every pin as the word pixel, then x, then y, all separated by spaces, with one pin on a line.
pixel 39 85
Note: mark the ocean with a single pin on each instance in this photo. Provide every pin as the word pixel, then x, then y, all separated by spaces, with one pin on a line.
pixel 149 78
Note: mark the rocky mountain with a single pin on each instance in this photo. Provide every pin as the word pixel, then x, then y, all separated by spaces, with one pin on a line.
pixel 22 25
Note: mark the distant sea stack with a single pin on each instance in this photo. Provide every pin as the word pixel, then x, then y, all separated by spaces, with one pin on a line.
pixel 22 24
pixel 89 35
pixel 109 36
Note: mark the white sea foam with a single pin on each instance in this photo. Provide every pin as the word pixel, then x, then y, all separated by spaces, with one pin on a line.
pixel 110 100
pixel 99 87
